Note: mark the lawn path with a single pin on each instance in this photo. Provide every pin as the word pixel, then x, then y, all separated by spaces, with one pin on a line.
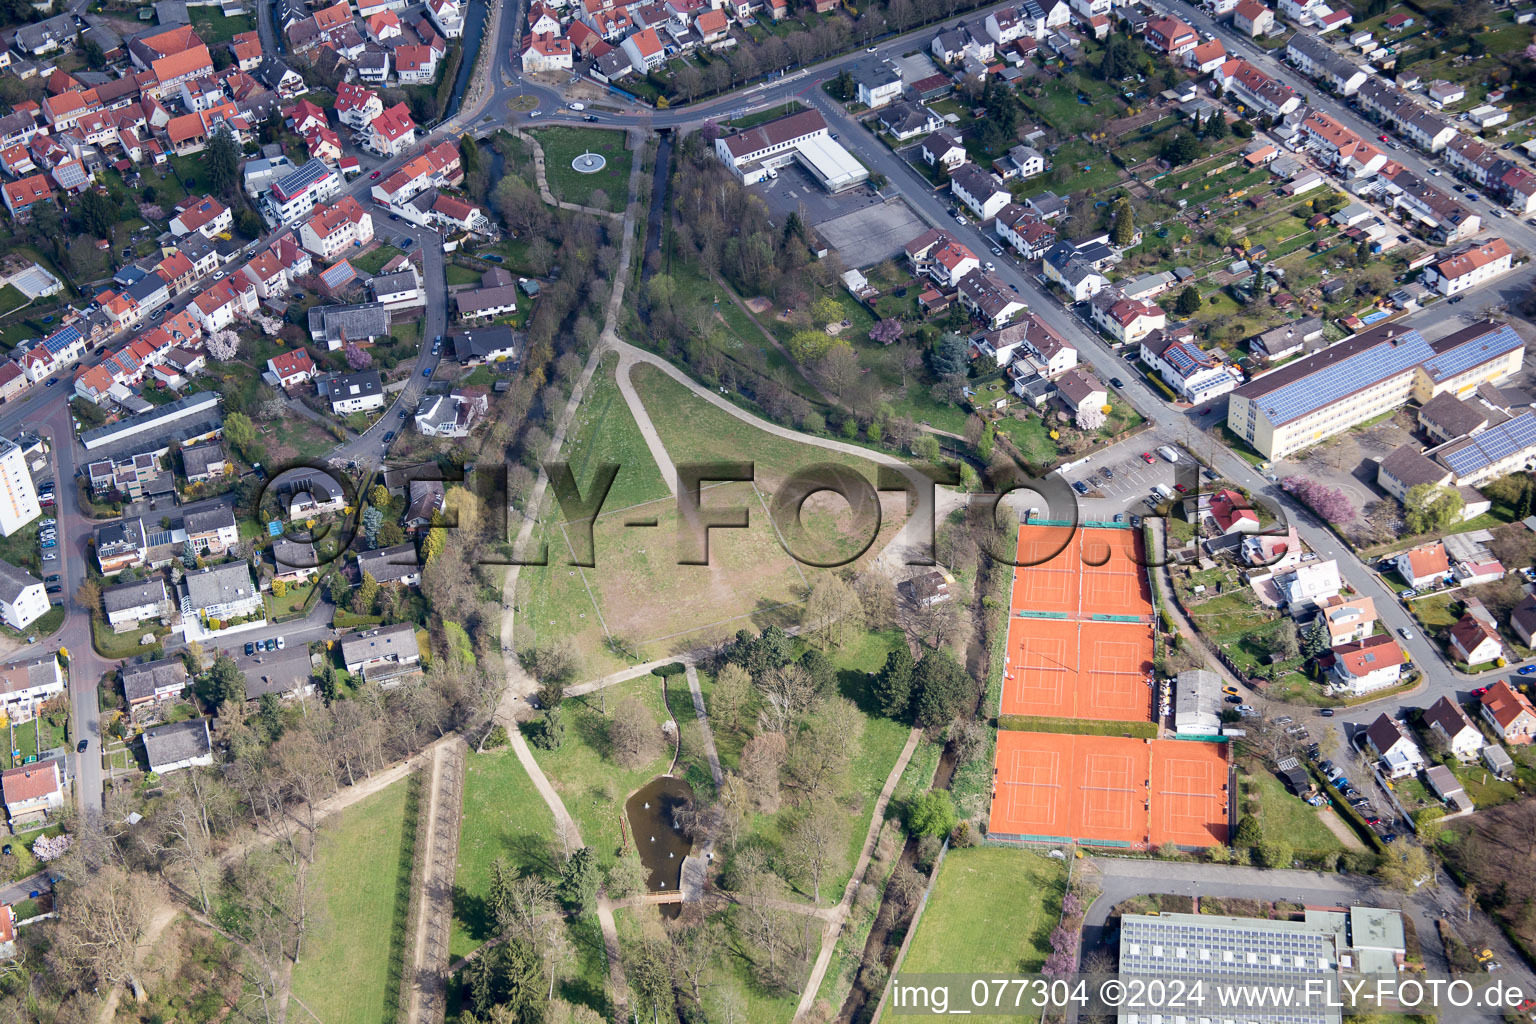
pixel 839 915
pixel 429 955
pixel 549 196
pixel 708 733
pixel 911 543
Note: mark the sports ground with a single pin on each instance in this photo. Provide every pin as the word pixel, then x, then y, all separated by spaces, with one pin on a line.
pixel 1081 646
pixel 1109 789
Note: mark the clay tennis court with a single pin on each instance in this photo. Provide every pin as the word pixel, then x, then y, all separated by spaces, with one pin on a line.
pixel 1189 784
pixel 1093 788
pixel 1070 787
pixel 1046 576
pixel 1057 668
pixel 1114 582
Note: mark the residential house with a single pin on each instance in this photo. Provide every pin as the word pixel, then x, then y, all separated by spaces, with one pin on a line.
pixel 908 120
pixel 1171 36
pixel 1424 565
pixel 451 415
pixel 33 793
pixel 1252 18
pixel 1509 713
pixel 355 392
pixel 392 132
pixel 981 192
pixel 211 531
pixel 941 257
pixel 1475 641
pixel 129 604
pixel 644 50
pixel 1469 266
pixel 1194 374
pixel 120 545
pixel 1079 389
pixel 988 299
pixel 1304 586
pixel 382 654
pixel 484 345
pixel 207 216
pixel 153 682
pixel 546 52
pixel 877 82
pixel 1523 620
pixel 294 561
pixel 1399 756
pixel 393 565
pixel 1446 721
pixel 334 326
pixel 1128 320
pixel 1347 619
pixel 943 149
pixel 219 593
pixel 332 229
pixel 1361 666
pixel 23 599
pixel 179 745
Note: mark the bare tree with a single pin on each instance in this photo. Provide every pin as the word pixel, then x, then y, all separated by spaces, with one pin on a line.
pixel 633 735
pixel 818 843
pixel 733 690
pixel 102 925
pixel 787 694
pixel 824 749
pixel 761 760
pixel 833 613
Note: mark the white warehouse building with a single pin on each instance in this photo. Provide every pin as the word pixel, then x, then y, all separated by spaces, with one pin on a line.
pixel 757 153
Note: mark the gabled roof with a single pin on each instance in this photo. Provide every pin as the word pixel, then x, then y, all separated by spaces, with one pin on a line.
pixel 1447 714
pixel 1369 655
pixel 1384 733
pixel 1506 704
pixel 1470 632
pixel 1427 560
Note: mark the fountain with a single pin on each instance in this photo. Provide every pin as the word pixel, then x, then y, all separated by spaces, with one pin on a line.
pixel 652 812
pixel 589 163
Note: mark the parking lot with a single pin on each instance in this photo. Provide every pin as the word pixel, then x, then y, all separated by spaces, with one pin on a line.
pixel 1119 478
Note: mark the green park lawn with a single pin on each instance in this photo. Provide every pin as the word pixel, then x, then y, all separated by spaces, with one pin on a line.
pixel 564 145
pixel 363 869
pixel 214 28
pixel 991 910
pixel 1283 816
pixel 504 816
pixel 591 784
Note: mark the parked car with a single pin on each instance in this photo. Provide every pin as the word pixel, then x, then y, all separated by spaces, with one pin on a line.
pixel 1526 670
pixel 1229 689
pixel 1406 634
pixel 1146 457
pixel 1325 712
pixel 1109 474
pixel 280 643
pixel 1245 707
pixel 1119 517
pixel 389 437
pixel 271 644
pixel 1116 382
pixel 1479 691
pixel 250 648
pixel 427 372
pixel 1079 487
pixel 52 579
pixel 1233 698
pixel 1408 594
pixel 80 748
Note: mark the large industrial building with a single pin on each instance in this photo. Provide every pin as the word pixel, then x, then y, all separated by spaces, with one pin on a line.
pixel 1328 943
pixel 757 153
pixel 1366 376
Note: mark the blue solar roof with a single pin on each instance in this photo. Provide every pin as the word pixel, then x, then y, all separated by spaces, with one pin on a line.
pixel 1493 445
pixel 1345 377
pixel 1500 340
pixel 61 339
pixel 291 185
pixel 1185 359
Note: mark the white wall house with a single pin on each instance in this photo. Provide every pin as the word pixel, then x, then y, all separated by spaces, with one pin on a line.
pixel 23 600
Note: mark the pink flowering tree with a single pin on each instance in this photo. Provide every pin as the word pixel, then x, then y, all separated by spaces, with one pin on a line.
pixel 886 332
pixel 358 357
pixel 1329 502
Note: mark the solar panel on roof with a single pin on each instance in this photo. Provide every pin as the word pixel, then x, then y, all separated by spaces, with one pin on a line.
pixel 61 339
pixel 1328 385
pixel 1479 350
pixel 1493 444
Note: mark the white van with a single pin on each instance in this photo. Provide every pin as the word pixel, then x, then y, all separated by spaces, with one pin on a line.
pixel 1169 452
pixel 1162 491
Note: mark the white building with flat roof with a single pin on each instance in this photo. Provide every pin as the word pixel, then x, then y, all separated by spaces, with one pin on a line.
pixel 18 498
pixel 757 153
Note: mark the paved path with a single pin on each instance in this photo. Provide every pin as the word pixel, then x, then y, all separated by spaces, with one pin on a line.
pixel 545 192
pixel 434 917
pixel 839 914
pixel 709 734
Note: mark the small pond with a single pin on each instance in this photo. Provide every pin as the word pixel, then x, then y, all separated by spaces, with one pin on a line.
pixel 652 813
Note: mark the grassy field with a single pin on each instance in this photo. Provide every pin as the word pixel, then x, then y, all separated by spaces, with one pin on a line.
pixel 214 28
pixel 504 816
pixel 590 783
pixel 563 145
pixel 362 863
pixel 991 910
pixel 1283 816
pixel 372 261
